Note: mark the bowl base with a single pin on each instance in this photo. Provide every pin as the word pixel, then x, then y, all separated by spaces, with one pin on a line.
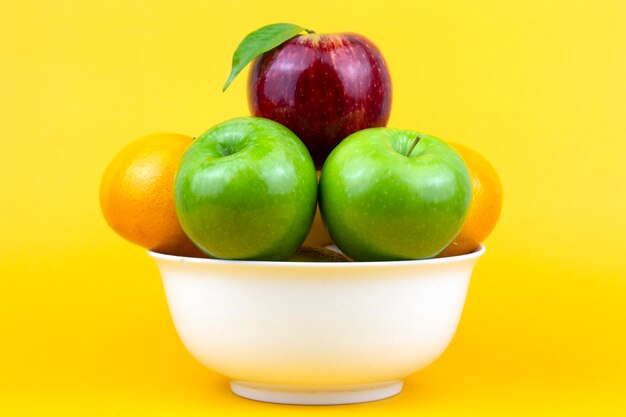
pixel 316 394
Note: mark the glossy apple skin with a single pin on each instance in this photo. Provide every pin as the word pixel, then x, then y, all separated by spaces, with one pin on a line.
pixel 246 189
pixel 322 87
pixel 381 205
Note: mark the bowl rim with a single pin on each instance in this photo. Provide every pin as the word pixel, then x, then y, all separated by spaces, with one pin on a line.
pixel 294 264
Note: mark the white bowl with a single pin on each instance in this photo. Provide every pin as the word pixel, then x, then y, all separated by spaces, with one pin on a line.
pixel 316 333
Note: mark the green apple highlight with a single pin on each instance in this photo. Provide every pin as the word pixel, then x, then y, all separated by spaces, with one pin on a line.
pixel 247 189
pixel 391 194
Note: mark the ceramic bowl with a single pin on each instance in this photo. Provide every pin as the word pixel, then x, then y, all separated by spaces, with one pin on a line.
pixel 316 333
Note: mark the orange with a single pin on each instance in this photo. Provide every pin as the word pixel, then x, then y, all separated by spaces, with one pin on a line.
pixel 485 205
pixel 137 194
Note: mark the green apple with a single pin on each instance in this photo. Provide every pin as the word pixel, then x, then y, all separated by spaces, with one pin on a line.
pixel 391 194
pixel 246 189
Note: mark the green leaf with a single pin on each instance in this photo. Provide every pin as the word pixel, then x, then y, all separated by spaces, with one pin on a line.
pixel 261 40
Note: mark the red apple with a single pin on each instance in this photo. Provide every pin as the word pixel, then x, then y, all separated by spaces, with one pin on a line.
pixel 322 87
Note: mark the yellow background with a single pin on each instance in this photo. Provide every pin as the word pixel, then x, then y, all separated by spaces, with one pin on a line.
pixel 538 87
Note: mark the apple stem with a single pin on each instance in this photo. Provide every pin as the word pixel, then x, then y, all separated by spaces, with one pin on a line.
pixel 412 146
pixel 309 31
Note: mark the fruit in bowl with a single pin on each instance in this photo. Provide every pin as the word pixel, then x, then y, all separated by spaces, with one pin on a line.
pixel 137 194
pixel 321 86
pixel 246 189
pixel 485 207
pixel 391 194
pixel 318 254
